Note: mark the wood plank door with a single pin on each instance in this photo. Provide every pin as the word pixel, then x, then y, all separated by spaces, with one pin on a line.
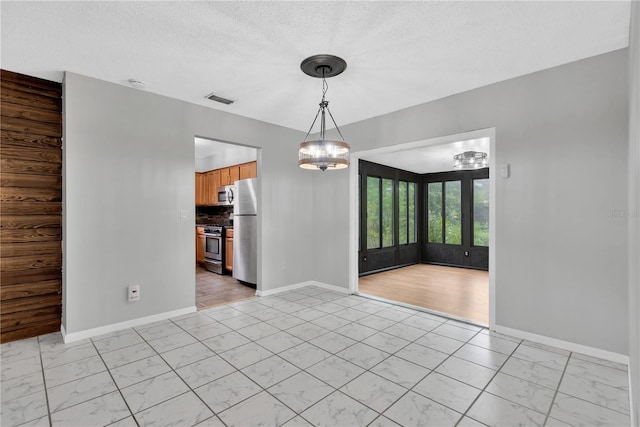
pixel 31 206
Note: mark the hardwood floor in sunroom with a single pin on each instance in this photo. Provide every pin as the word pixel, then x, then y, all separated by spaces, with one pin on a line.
pixel 214 289
pixel 458 291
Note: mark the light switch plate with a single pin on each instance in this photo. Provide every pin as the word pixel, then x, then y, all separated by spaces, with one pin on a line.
pixel 505 170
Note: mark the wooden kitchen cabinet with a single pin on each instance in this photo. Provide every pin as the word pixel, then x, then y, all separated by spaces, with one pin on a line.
pixel 228 248
pixel 248 170
pixel 229 175
pixel 200 245
pixel 200 193
pixel 211 182
pixel 207 183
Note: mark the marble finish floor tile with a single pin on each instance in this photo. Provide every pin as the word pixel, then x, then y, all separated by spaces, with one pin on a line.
pixel 72 371
pixel 23 409
pixel 532 372
pixel 363 355
pixel 400 371
pixel 386 342
pixel 22 386
pixel 127 355
pixel 225 342
pixel 139 371
pixel 246 355
pixel 308 357
pixel 74 392
pixel 439 342
pixel 187 355
pixel 102 410
pixel 304 355
pixel 373 391
pixel 423 356
pixel 127 338
pixel 300 391
pixel 466 372
pixel 332 342
pixel 335 371
pixel 616 398
pixel 416 410
pixel 150 392
pixel 62 356
pixel 270 371
pixel 482 356
pixel 493 410
pixel 259 410
pixel 204 371
pixel 576 411
pixel 20 367
pixel 521 392
pixel 447 391
pixel 337 409
pixel 542 357
pixel 183 410
pixel 278 342
pixel 227 391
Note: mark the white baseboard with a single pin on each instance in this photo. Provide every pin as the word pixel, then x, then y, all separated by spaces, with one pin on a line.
pixel 566 345
pixel 302 285
pixel 101 330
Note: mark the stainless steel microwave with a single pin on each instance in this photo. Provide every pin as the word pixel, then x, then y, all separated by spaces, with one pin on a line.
pixel 226 195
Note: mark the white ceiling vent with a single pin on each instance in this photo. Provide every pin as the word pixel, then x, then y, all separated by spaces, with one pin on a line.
pixel 216 98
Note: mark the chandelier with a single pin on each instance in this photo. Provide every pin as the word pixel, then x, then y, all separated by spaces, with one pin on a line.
pixel 323 153
pixel 470 160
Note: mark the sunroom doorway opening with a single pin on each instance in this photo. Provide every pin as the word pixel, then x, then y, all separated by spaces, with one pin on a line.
pixel 423 229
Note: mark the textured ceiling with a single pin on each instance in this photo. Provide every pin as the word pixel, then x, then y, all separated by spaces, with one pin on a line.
pixel 399 54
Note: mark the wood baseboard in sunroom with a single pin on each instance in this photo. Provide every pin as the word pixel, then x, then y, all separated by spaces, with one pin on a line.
pixel 458 291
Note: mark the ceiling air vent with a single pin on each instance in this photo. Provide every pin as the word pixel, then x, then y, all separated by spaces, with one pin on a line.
pixel 216 98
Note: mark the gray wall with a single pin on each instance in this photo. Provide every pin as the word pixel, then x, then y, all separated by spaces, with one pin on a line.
pixel 129 164
pixel 634 211
pixel 561 256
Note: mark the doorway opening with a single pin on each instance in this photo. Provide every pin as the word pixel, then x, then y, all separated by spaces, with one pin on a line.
pixel 227 195
pixel 420 231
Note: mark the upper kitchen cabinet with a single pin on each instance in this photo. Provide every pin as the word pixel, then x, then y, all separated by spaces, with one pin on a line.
pixel 248 170
pixel 229 175
pixel 200 189
pixel 208 189
pixel 207 183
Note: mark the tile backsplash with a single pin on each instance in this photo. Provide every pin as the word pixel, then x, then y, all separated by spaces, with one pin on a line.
pixel 214 215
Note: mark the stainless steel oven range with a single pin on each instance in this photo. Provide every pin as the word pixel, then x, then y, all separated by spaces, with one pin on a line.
pixel 214 248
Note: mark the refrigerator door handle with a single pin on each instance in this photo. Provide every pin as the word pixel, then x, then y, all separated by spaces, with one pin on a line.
pixel 230 195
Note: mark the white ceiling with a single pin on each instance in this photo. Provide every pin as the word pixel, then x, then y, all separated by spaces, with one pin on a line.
pixel 399 54
pixel 209 147
pixel 434 158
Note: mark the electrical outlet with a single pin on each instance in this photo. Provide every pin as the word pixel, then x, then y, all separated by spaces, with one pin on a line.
pixel 134 292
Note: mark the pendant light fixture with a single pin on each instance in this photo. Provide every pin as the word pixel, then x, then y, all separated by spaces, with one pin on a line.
pixel 470 160
pixel 323 153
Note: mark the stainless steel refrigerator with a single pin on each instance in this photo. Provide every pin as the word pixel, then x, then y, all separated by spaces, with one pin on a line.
pixel 245 231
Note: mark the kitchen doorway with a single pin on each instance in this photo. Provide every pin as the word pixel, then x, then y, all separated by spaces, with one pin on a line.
pixel 401 269
pixel 226 222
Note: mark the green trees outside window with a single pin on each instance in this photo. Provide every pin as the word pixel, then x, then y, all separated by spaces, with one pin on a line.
pixel 381 210
pixel 452 213
pixel 480 212
pixel 444 225
pixel 387 212
pixel 373 212
pixel 434 212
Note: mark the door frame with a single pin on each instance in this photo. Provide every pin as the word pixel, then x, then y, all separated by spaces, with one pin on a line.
pixel 354 214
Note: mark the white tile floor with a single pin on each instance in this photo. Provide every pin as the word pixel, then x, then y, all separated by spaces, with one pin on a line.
pixel 307 357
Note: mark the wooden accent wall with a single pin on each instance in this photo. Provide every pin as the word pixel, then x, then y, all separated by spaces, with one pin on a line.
pixel 30 206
